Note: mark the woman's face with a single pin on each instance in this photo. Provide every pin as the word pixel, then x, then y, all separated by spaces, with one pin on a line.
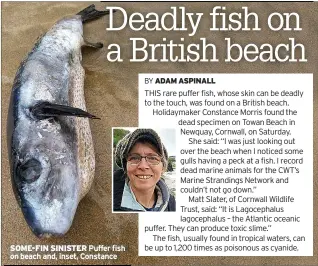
pixel 144 176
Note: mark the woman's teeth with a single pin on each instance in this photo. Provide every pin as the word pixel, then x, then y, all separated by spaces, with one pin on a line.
pixel 143 176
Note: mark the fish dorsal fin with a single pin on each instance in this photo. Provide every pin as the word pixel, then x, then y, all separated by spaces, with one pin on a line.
pixel 45 109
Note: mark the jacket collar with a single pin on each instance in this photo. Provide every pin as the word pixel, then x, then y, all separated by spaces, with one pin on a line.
pixel 129 200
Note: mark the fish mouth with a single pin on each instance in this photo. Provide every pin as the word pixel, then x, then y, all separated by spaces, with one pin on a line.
pixel 38 232
pixel 49 235
pixel 144 177
pixel 45 235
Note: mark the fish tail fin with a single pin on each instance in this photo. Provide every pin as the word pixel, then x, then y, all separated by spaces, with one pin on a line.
pixel 90 13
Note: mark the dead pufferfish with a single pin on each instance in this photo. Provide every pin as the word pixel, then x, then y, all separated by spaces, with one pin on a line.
pixel 50 144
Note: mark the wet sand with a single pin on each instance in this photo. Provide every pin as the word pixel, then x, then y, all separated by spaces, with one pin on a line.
pixel 112 94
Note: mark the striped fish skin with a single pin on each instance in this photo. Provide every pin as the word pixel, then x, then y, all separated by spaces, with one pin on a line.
pixel 52 158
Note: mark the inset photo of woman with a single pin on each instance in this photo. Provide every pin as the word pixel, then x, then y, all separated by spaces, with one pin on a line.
pixel 144 170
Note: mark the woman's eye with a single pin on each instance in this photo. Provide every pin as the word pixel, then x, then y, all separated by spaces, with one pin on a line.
pixel 133 158
pixel 153 158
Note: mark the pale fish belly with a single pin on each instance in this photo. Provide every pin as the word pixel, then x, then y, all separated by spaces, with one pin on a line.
pixel 85 148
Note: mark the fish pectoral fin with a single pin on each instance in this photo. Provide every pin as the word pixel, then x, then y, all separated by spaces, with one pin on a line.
pixel 45 109
pixel 97 45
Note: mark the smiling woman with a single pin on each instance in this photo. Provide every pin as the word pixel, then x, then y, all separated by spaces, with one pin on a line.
pixel 138 186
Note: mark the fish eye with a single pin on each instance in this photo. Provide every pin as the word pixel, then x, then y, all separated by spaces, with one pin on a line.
pixel 30 170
